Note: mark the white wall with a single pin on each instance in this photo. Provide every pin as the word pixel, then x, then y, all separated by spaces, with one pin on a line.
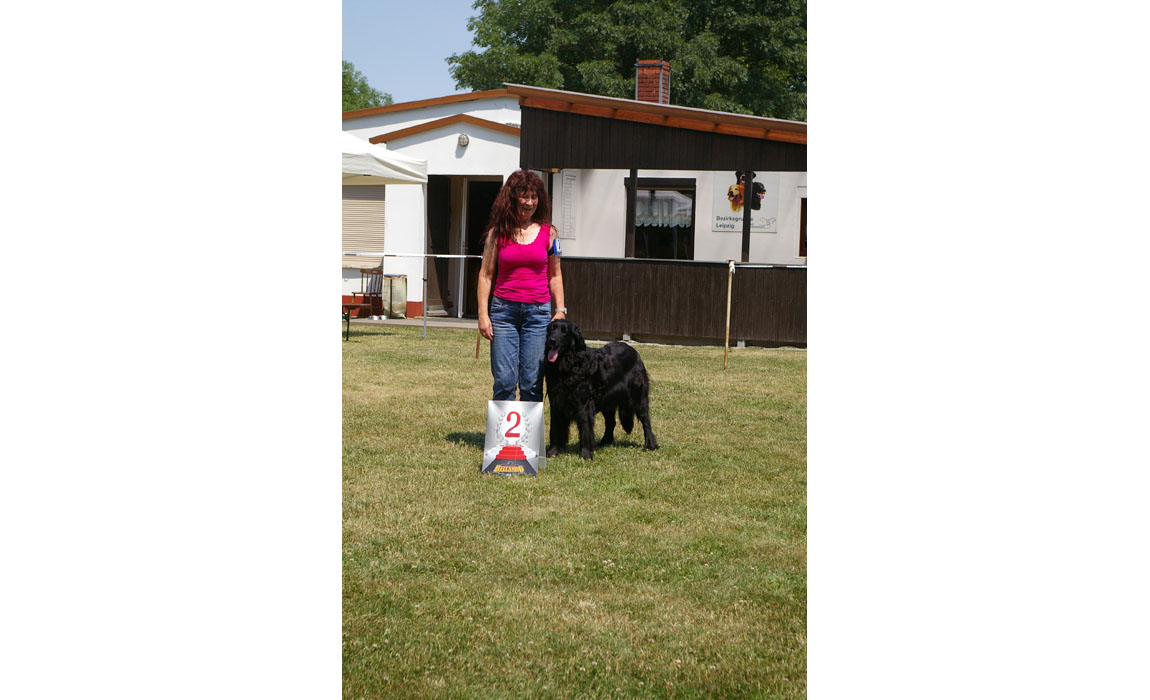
pixel 490 153
pixel 405 234
pixel 601 218
pixel 602 212
pixel 487 153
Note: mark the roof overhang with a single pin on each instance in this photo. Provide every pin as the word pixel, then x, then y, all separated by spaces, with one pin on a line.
pixel 417 104
pixel 446 121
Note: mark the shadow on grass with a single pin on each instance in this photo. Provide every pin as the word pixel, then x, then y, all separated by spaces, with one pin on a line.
pixel 572 447
pixel 357 332
pixel 472 439
pixel 476 439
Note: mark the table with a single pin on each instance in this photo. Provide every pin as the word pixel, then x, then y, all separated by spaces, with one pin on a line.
pixel 347 309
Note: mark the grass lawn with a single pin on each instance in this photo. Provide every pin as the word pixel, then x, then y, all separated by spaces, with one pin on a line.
pixel 679 573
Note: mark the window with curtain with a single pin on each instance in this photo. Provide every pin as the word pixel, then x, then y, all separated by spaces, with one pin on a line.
pixel 664 220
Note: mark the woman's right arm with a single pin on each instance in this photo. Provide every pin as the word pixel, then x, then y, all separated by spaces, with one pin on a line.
pixel 486 279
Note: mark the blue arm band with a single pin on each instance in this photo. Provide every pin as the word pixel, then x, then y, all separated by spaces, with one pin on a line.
pixel 555 247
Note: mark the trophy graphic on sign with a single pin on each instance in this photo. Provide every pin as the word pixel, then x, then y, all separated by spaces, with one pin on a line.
pixel 514 441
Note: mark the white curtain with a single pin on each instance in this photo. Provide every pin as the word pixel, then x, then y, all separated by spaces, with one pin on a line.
pixel 662 208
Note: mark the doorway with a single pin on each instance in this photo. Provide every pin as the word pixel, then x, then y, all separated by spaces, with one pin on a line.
pixel 438 300
pixel 480 197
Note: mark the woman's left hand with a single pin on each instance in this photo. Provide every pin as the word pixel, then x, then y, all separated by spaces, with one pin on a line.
pixel 558 315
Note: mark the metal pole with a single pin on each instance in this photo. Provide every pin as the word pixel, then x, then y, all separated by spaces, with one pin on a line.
pixel 426 241
pixel 727 338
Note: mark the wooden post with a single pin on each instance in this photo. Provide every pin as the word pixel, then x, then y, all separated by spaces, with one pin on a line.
pixel 748 193
pixel 629 239
pixel 727 337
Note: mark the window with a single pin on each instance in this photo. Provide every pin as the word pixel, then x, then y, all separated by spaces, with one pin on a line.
pixel 664 218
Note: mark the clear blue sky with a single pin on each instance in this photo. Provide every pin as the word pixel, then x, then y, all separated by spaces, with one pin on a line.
pixel 402 46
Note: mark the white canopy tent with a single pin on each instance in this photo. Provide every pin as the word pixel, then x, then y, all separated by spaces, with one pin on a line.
pixel 365 163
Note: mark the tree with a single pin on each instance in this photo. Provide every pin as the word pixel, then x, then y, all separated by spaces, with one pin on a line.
pixel 743 56
pixel 357 93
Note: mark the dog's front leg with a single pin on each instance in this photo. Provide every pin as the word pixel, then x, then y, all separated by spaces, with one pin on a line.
pixel 560 429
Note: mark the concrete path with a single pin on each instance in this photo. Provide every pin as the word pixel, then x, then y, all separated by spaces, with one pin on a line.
pixel 432 322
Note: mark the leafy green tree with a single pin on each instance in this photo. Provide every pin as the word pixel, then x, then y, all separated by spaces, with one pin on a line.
pixel 743 56
pixel 357 93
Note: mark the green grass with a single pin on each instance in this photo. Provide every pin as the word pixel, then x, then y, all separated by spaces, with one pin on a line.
pixel 679 573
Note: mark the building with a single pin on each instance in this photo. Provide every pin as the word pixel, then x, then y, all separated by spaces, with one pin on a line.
pixel 591 145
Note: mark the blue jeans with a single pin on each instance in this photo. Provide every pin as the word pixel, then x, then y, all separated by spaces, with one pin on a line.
pixel 519 331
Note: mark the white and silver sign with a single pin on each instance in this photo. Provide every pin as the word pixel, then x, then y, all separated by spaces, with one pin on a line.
pixel 514 445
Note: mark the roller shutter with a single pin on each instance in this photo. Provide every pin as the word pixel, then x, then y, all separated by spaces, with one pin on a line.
pixel 363 223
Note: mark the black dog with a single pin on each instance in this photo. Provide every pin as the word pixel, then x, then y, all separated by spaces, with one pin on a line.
pixel 582 382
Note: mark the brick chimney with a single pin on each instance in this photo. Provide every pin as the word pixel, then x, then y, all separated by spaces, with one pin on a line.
pixel 653 81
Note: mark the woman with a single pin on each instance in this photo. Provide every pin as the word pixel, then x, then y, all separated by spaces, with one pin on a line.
pixel 521 274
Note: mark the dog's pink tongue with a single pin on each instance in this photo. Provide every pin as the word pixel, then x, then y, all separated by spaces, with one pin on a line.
pixel 552 355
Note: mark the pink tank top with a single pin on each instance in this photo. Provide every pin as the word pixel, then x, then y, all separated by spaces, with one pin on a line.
pixel 521 274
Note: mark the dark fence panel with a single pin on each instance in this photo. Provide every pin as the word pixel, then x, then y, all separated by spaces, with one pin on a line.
pixel 687 300
pixel 769 305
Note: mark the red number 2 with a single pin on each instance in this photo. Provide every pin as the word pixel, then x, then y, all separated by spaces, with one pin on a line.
pixel 517 419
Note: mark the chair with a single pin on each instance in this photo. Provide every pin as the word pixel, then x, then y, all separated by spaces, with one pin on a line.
pixel 371 289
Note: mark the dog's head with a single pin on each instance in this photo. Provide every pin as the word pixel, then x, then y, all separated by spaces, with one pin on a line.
pixel 735 196
pixel 563 337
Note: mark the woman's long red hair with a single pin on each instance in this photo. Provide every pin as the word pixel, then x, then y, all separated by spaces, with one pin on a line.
pixel 505 212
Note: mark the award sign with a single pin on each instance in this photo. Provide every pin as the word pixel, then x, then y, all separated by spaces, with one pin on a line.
pixel 514 443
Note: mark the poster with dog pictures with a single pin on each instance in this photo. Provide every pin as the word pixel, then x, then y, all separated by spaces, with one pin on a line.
pixel 729 199
pixel 514 445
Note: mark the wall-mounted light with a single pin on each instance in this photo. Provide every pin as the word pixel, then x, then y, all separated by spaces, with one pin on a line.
pixel 463 140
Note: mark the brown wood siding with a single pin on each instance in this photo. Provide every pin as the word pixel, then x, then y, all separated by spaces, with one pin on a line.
pixel 687 300
pixel 552 139
pixel 671 115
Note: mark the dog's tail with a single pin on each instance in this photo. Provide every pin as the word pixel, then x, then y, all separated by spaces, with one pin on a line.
pixel 638 398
